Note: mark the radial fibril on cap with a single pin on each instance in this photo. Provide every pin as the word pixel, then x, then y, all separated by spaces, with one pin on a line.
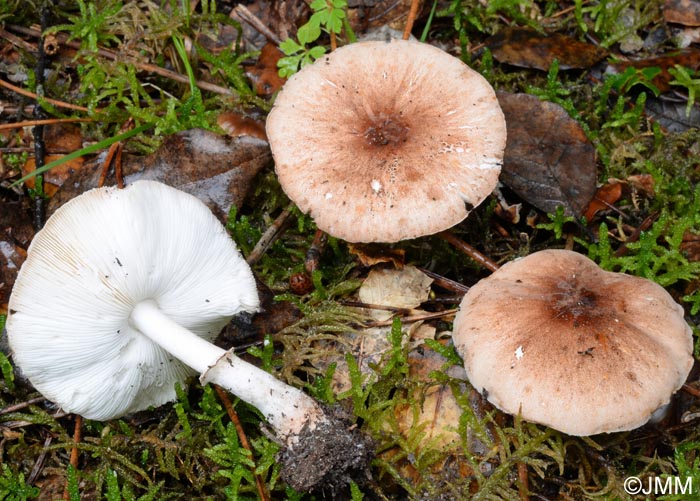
pixel 558 340
pixel 384 141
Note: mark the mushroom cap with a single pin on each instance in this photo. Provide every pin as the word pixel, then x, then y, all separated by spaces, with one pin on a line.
pixel 561 342
pixel 373 144
pixel 97 257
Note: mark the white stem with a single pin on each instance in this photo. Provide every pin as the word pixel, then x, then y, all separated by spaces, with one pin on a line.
pixel 287 408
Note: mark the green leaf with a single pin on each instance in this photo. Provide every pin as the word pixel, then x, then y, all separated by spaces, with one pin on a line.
pixel 289 47
pixel 308 33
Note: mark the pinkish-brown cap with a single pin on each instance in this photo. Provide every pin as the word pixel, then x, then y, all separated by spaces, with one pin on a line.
pixel 385 141
pixel 561 342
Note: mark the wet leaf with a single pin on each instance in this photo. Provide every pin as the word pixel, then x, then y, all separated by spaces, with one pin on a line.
pixel 603 199
pixel 236 125
pixel 371 254
pixel 64 138
pixel 216 170
pixel 685 12
pixel 549 161
pixel 15 234
pixel 264 74
pixel 527 48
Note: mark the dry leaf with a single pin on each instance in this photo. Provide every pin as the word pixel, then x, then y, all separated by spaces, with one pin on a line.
pixel 685 12
pixel 404 288
pixel 264 74
pixel 216 170
pixel 549 161
pixel 527 48
pixel 371 254
pixel 604 197
pixel 15 234
pixel 236 125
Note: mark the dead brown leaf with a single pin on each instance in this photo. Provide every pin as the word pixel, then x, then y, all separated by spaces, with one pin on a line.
pixel 371 254
pixel 264 74
pixel 604 198
pixel 15 234
pixel 685 12
pixel 216 170
pixel 527 48
pixel 65 138
pixel 549 161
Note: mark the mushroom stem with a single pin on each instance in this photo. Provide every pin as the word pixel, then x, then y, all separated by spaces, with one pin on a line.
pixel 286 408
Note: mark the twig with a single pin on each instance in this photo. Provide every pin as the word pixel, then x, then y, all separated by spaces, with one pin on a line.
pixel 370 306
pixel 242 14
pixel 313 255
pixel 414 318
pixel 77 436
pixel 271 235
pixel 524 486
pixel 412 14
pixel 233 416
pixel 39 463
pixel 27 93
pixel 446 283
pixel 691 390
pixel 114 56
pixel 21 405
pixel 115 149
pixel 470 251
pixel 648 221
pixel 46 121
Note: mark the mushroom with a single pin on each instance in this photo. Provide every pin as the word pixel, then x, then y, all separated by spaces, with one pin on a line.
pixel 119 298
pixel 373 144
pixel 561 342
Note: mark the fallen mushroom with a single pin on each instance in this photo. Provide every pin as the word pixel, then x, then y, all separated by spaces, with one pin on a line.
pixel 373 145
pixel 121 281
pixel 561 342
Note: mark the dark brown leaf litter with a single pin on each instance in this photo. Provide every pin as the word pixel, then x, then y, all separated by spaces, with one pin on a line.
pixel 685 12
pixel 216 170
pixel 549 161
pixel 264 74
pixel 15 235
pixel 526 48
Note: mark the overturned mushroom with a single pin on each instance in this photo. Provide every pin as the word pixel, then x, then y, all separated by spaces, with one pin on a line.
pixel 121 281
pixel 373 145
pixel 559 341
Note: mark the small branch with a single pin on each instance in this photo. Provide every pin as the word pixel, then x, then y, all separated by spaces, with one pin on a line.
pixel 271 235
pixel 470 251
pixel 131 59
pixel 27 93
pixel 47 121
pixel 77 437
pixel 21 405
pixel 242 14
pixel 313 255
pixel 415 318
pixel 412 14
pixel 233 416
